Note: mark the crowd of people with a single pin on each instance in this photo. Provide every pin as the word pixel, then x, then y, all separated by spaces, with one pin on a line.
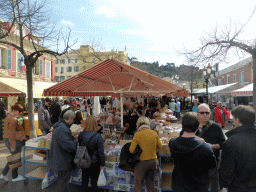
pixel 199 165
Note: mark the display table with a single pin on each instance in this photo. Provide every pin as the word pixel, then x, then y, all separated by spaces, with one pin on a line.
pixel 26 127
pixel 117 179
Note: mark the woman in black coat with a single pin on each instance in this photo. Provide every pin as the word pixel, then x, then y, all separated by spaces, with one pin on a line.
pixel 95 150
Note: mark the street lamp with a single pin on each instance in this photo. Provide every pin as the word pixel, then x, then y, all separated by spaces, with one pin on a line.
pixel 207 74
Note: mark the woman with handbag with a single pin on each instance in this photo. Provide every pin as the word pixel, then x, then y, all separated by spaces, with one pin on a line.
pixel 149 142
pixel 14 139
pixel 95 146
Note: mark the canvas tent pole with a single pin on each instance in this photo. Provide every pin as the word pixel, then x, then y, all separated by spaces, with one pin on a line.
pixel 122 109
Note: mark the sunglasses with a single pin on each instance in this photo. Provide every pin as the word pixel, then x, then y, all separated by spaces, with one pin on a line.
pixel 20 111
pixel 207 113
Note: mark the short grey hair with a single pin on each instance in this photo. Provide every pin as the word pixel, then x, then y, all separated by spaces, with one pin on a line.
pixel 203 105
pixel 219 102
pixel 68 114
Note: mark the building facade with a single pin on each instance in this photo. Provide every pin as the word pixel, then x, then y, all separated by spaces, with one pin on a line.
pixel 12 61
pixel 240 72
pixel 83 58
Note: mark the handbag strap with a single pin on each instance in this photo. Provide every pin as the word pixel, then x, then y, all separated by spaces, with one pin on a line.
pixel 91 138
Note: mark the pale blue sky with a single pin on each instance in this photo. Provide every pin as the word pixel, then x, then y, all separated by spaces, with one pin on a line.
pixel 151 30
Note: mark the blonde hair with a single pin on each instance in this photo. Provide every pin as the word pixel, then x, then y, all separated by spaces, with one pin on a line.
pixel 143 121
pixel 90 124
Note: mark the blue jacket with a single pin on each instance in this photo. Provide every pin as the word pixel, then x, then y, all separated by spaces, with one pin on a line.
pixel 95 147
pixel 63 147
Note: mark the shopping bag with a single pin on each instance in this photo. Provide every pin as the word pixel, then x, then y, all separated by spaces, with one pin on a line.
pixel 102 179
pixel 14 161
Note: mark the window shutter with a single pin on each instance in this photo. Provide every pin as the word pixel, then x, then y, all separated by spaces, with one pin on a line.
pixel 9 59
pixel 40 67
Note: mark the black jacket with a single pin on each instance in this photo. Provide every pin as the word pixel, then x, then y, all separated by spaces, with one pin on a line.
pixel 55 111
pixel 128 160
pixel 192 160
pixel 238 160
pixel 213 134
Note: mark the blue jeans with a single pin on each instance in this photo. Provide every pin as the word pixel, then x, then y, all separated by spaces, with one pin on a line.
pixel 19 145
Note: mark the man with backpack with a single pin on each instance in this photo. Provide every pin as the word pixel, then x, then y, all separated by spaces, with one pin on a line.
pixel 62 150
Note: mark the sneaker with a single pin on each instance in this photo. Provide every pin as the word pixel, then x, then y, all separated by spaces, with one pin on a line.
pixel 19 178
pixel 4 177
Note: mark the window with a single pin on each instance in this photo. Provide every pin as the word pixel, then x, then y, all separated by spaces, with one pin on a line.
pixel 62 78
pixel 20 62
pixel 48 69
pixel 234 78
pixel 76 60
pixel 228 79
pixel 40 67
pixel 84 67
pixel 93 59
pixel 62 61
pixel 69 60
pixel 62 69
pixel 76 68
pixel 57 78
pixel 69 69
pixel 69 76
pixel 102 58
pixel 56 69
pixel 242 80
pixel 57 61
pixel 84 60
pixel 9 59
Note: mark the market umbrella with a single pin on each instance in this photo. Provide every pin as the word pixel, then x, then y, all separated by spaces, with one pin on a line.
pixel 111 78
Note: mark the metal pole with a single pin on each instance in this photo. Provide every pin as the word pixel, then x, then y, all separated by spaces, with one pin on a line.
pixel 122 110
pixel 206 81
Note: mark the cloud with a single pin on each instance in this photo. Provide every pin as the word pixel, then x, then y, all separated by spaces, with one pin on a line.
pixel 67 22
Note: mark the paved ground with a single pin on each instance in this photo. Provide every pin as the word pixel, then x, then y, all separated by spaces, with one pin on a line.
pixel 34 184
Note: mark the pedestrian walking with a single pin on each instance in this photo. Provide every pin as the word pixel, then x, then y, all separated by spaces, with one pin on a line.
pixel 95 150
pixel 65 106
pixel 62 150
pixel 192 158
pixel 149 142
pixel 220 114
pixel 55 110
pixel 177 109
pixel 14 139
pixel 44 118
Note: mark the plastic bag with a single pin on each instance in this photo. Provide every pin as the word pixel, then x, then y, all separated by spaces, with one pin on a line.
pixel 102 179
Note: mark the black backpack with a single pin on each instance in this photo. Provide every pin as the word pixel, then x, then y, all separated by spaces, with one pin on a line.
pixel 82 158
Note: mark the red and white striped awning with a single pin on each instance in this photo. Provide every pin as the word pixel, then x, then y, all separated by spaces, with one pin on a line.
pixel 110 78
pixel 245 91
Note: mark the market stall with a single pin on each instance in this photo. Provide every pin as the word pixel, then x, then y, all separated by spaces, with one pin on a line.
pixel 113 78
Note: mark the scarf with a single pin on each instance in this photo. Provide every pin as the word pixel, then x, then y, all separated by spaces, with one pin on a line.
pixel 218 117
pixel 143 127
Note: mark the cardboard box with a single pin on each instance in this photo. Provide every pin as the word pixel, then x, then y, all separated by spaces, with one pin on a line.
pixel 110 158
pixel 123 142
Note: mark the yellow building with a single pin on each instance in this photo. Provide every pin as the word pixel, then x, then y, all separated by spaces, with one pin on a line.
pixel 83 58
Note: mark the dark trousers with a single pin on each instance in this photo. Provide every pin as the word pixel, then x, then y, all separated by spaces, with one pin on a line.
pixel 19 145
pixel 45 131
pixel 214 180
pixel 145 170
pixel 63 180
pixel 1 129
pixel 92 172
